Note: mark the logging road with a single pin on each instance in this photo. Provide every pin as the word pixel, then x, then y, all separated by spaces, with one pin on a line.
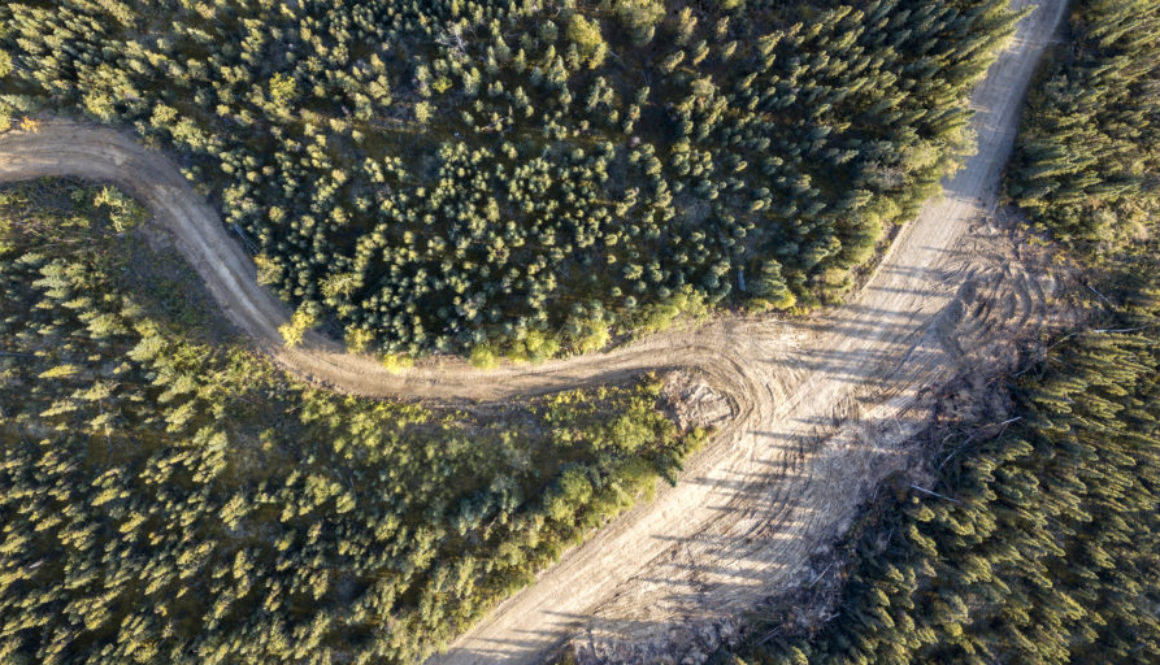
pixel 821 403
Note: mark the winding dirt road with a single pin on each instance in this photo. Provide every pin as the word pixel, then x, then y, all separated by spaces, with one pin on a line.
pixel 821 404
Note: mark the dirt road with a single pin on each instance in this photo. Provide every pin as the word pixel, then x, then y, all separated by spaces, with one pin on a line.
pixel 821 403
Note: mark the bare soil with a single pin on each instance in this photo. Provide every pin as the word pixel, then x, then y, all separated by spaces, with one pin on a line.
pixel 821 405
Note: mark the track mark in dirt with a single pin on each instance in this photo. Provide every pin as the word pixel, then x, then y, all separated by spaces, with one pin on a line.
pixel 821 404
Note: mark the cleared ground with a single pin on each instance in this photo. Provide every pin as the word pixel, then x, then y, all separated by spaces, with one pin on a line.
pixel 820 403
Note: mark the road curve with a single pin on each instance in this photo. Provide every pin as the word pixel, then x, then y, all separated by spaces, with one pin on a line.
pixel 821 402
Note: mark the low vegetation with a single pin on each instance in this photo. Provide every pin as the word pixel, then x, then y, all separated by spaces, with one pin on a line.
pixel 453 174
pixel 1040 546
pixel 167 496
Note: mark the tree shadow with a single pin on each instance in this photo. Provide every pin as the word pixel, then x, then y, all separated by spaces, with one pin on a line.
pixel 708 579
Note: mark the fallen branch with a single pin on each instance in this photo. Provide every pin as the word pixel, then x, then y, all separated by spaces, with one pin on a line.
pixel 1102 296
pixel 1110 331
pixel 933 493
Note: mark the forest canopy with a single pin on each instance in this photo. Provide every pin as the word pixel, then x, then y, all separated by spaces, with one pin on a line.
pixel 1040 546
pixel 168 496
pixel 453 174
pixel 1087 161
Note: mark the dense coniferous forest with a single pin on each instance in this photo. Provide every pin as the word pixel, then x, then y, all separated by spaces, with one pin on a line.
pixel 1087 162
pixel 1043 545
pixel 170 497
pixel 528 177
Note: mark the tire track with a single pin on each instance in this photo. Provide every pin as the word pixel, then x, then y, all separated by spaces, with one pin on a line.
pixel 822 402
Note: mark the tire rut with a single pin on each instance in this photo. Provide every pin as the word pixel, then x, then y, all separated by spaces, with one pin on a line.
pixel 822 403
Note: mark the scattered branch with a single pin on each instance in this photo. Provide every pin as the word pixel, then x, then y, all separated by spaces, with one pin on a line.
pixel 933 493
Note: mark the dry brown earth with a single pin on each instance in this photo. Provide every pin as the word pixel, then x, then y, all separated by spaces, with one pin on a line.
pixel 821 404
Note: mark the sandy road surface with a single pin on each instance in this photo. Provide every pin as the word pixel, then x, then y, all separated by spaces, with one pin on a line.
pixel 823 406
pixel 821 403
